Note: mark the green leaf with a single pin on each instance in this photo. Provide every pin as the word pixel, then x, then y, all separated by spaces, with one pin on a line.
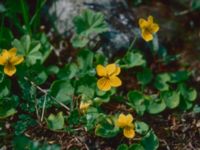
pixel 196 109
pixel 156 106
pixel 87 80
pixel 90 22
pixel 62 90
pixel 6 111
pixel 100 58
pixel 22 142
pixel 20 47
pixel 136 101
pixel 37 74
pixel 5 86
pixel 26 42
pixel 85 59
pixel 122 147
pixel 145 76
pixel 161 82
pixel 135 97
pixel 28 95
pixel 52 69
pixel 102 99
pixel 136 147
pixel 195 4
pixel 2 8
pixel 8 106
pixel 30 49
pixel 179 76
pixel 106 128
pixel 46 47
pixel 41 77
pixel 150 141
pixel 56 122
pixel 185 105
pixel 91 115
pixel 32 58
pixel 171 98
pixel 141 127
pixel 132 59
pixel 189 94
pixel 6 36
pixel 74 117
pixel 79 41
pixel 68 72
pixel 86 91
pixel 24 121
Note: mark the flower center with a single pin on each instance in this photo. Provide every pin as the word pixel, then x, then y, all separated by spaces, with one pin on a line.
pixel 8 63
pixel 148 29
pixel 107 76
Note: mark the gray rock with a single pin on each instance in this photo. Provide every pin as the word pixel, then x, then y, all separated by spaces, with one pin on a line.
pixel 116 12
pixel 63 11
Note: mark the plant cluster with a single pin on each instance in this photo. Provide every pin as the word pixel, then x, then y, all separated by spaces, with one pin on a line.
pixel 66 98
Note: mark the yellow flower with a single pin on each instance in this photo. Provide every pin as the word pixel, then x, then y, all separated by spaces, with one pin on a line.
pixel 148 28
pixel 108 76
pixel 84 106
pixel 9 60
pixel 125 122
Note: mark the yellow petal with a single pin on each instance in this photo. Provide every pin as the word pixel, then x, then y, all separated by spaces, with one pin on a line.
pixel 143 23
pixel 16 60
pixel 101 70
pixel 2 60
pixel 129 132
pixel 129 119
pixel 117 71
pixel 154 28
pixel 150 19
pixel 147 36
pixel 12 52
pixel 9 70
pixel 84 106
pixel 121 121
pixel 111 69
pixel 115 81
pixel 4 57
pixel 104 84
pixel 124 120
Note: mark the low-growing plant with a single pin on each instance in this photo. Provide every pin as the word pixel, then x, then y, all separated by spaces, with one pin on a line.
pixel 65 98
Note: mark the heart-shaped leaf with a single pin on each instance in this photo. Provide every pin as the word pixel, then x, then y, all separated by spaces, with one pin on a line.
pixel 171 98
pixel 56 122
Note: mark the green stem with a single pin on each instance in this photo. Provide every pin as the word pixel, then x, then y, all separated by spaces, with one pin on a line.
pixel 43 107
pixel 132 43
pixel 25 15
pixel 36 18
pixel 129 49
